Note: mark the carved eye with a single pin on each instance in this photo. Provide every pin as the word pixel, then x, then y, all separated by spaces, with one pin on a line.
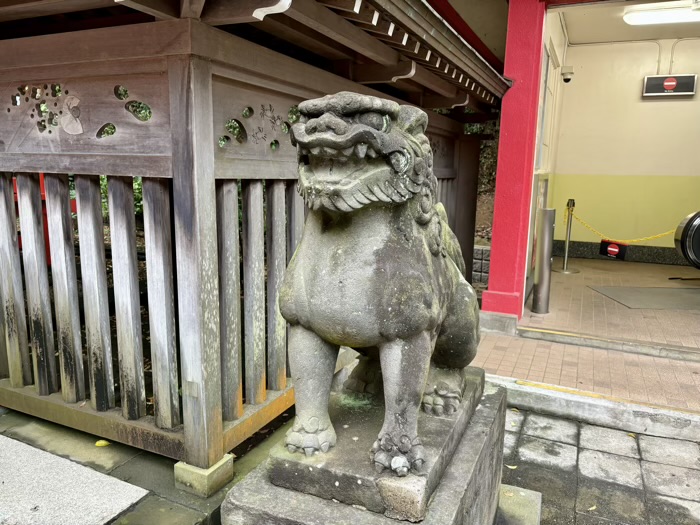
pixel 373 120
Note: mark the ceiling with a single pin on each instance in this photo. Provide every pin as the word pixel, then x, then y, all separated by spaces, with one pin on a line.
pixel 603 23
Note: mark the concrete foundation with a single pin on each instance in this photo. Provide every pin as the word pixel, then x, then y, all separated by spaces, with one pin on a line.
pixel 204 481
pixel 467 493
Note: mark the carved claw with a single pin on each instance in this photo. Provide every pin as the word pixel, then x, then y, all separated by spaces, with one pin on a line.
pixel 441 400
pixel 310 436
pixel 406 456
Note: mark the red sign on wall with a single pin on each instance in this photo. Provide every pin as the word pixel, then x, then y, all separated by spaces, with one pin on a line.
pixel 670 84
pixel 614 250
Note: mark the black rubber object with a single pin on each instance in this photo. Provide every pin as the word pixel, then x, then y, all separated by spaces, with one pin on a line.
pixel 687 239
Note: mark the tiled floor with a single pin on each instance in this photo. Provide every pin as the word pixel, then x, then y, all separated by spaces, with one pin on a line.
pixel 629 376
pixel 574 307
pixel 590 475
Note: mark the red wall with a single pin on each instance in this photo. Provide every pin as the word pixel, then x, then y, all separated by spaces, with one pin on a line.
pixel 516 158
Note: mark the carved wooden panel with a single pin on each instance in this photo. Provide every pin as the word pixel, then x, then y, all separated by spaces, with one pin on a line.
pixel 251 131
pixel 50 124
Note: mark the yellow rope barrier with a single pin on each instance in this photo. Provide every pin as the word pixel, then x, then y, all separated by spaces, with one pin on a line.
pixel 608 238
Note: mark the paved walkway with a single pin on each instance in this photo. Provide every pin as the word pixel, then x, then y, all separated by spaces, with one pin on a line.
pixel 628 376
pixel 574 307
pixel 590 475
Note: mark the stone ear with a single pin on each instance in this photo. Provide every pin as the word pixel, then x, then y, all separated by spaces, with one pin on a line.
pixel 412 120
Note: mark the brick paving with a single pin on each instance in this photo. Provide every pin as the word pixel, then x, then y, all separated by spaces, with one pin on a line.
pixel 634 377
pixel 591 475
pixel 574 307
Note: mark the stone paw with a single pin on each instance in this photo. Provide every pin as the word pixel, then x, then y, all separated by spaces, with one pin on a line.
pixel 441 400
pixel 310 436
pixel 406 455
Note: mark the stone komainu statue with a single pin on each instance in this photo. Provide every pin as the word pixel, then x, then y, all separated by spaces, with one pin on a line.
pixel 377 269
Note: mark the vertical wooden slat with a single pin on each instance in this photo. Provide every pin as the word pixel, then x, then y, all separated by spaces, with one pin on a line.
pixel 254 291
pixel 466 191
pixel 36 278
pixel 197 259
pixel 230 299
pixel 295 224
pixel 276 265
pixel 65 287
pixel 161 301
pixel 94 282
pixel 122 226
pixel 11 289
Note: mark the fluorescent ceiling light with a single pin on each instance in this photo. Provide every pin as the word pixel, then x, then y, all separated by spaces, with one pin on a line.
pixel 662 15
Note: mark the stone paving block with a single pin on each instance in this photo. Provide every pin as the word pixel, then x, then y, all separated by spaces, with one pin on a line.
pixel 154 510
pixel 551 428
pixel 514 420
pixel 39 488
pixel 664 510
pixel 549 454
pixel 610 467
pixel 612 502
pixel 586 519
pixel 509 442
pixel 672 481
pixel 670 451
pixel 518 506
pixel 556 516
pixel 558 490
pixel 72 444
pixel 608 440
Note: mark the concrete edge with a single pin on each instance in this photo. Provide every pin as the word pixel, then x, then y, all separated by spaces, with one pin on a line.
pixel 601 410
pixel 679 353
pixel 518 506
pixel 498 323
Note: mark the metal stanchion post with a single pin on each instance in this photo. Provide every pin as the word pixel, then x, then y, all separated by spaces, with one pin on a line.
pixel 544 229
pixel 570 205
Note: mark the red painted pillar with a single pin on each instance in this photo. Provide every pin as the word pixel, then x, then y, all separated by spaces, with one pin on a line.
pixel 516 158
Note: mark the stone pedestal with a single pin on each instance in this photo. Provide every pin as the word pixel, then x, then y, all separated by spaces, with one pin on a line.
pixel 466 493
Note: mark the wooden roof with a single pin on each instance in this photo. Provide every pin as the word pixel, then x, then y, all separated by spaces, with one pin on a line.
pixel 400 47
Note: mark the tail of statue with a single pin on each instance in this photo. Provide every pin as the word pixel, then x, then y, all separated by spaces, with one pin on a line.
pixel 450 242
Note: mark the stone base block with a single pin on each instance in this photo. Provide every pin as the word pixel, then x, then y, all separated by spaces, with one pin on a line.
pixel 467 493
pixel 204 481
pixel 518 506
pixel 347 475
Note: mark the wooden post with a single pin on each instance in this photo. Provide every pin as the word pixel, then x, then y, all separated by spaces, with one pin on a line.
pixel 254 291
pixel 197 260
pixel 126 296
pixel 230 289
pixel 65 287
pixel 467 186
pixel 11 290
pixel 276 265
pixel 94 280
pixel 161 301
pixel 36 277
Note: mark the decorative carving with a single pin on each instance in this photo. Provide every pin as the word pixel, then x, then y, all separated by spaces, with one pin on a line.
pixel 379 270
pixel 224 141
pixel 140 110
pixel 70 119
pixel 121 92
pixel 237 130
pixel 107 130
pixel 247 112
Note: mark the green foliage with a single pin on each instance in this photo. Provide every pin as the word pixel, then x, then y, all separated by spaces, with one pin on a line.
pixel 138 194
pixel 489 153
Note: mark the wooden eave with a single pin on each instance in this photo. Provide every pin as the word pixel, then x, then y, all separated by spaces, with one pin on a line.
pixel 400 44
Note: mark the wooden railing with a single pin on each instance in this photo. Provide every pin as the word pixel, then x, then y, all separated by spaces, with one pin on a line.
pixel 112 320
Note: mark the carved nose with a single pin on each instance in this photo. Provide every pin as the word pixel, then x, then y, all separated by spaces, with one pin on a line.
pixel 327 122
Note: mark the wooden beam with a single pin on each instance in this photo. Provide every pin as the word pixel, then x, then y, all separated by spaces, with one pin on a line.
pixel 300 35
pixel 436 102
pixel 378 74
pixel 161 9
pixel 459 115
pixel 226 12
pixel 20 9
pixel 398 38
pixel 191 8
pixel 433 82
pixel 351 6
pixel 366 15
pixel 325 21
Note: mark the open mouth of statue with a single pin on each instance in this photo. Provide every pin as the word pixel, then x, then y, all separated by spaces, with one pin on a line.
pixel 358 151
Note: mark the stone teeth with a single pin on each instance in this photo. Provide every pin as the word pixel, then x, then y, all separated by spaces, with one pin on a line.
pixel 330 151
pixel 348 151
pixel 316 150
pixel 371 152
pixel 361 150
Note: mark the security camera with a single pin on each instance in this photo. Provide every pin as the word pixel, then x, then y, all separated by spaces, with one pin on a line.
pixel 567 73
